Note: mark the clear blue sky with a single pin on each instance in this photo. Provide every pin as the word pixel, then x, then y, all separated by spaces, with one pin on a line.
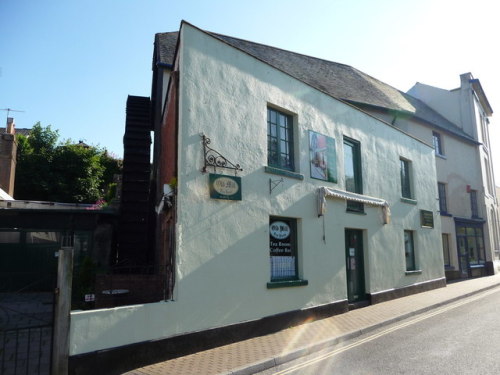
pixel 71 64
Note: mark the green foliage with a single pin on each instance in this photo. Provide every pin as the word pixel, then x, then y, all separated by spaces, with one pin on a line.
pixel 61 172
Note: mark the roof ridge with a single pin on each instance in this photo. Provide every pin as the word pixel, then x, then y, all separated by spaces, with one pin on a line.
pixel 341 81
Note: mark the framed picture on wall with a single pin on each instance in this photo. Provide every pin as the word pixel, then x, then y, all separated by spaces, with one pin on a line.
pixel 322 157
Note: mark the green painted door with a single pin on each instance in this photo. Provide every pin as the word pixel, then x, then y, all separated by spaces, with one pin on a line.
pixel 355 268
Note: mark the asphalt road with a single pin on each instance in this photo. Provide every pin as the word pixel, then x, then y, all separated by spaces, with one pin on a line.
pixel 462 339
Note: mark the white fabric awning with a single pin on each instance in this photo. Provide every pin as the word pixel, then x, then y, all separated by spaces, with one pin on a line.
pixel 326 192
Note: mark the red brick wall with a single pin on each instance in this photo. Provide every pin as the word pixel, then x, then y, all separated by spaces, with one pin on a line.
pixel 168 161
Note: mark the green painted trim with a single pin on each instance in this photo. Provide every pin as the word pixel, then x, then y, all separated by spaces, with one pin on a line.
pixel 286 283
pixel 283 172
pixel 415 272
pixel 362 213
pixel 407 200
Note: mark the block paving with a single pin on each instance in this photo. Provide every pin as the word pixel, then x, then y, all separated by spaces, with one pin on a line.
pixel 260 353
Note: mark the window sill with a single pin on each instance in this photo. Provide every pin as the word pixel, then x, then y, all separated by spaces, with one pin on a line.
pixel 414 272
pixel 408 200
pixel 445 214
pixel 283 172
pixel 286 283
pixel 355 212
pixel 476 265
pixel 441 156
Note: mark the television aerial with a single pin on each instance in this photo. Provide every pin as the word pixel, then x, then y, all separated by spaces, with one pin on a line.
pixel 8 110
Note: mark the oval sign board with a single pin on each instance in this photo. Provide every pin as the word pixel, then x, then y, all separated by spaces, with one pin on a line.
pixel 225 186
pixel 279 230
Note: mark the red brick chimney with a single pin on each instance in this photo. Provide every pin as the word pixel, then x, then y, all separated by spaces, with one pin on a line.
pixel 8 152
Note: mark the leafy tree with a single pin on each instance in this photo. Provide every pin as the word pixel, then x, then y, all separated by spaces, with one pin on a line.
pixel 48 170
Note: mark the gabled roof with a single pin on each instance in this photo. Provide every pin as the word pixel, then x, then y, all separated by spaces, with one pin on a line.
pixel 337 80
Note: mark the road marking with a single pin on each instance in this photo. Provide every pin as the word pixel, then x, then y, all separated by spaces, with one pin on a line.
pixel 419 318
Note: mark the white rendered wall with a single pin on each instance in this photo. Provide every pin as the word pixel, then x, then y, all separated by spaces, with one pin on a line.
pixel 223 246
pixel 445 102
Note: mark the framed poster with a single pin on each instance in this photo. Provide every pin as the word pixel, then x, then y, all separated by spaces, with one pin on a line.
pixel 322 157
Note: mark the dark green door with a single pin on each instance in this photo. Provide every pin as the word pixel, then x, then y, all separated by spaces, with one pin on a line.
pixel 355 267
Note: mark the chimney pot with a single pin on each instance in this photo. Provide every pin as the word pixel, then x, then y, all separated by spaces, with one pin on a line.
pixel 11 125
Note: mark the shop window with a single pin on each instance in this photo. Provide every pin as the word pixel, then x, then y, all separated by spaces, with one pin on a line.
pixel 283 249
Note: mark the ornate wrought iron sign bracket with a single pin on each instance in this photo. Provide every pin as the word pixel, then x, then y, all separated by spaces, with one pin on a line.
pixel 215 159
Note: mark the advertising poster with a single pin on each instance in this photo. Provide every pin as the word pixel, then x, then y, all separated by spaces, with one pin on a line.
pixel 322 157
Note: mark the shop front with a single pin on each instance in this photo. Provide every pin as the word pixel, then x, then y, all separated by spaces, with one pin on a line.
pixel 470 248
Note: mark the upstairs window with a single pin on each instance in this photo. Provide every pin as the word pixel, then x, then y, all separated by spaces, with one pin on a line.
pixel 489 180
pixel 406 190
pixel 484 130
pixel 279 140
pixel 352 172
pixel 443 205
pixel 438 144
pixel 473 204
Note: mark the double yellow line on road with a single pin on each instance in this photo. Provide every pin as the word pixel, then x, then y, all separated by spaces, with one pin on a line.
pixel 419 318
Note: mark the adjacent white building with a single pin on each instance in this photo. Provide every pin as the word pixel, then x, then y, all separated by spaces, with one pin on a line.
pixel 466 186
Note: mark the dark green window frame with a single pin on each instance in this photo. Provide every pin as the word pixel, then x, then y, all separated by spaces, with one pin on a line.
pixel 352 172
pixel 285 267
pixel 280 150
pixel 409 251
pixel 405 169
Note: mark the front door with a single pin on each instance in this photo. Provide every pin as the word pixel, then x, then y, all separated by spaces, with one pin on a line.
pixel 355 268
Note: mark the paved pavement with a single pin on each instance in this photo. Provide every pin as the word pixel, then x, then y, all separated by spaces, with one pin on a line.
pixel 260 353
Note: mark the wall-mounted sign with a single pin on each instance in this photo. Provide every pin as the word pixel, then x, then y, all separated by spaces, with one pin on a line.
pixel 279 238
pixel 426 219
pixel 322 157
pixel 225 187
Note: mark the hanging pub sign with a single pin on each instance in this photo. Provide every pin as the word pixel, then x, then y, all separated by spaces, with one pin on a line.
pixel 426 219
pixel 225 187
pixel 280 238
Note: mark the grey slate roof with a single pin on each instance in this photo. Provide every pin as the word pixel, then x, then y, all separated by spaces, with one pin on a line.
pixel 337 80
pixel 166 43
